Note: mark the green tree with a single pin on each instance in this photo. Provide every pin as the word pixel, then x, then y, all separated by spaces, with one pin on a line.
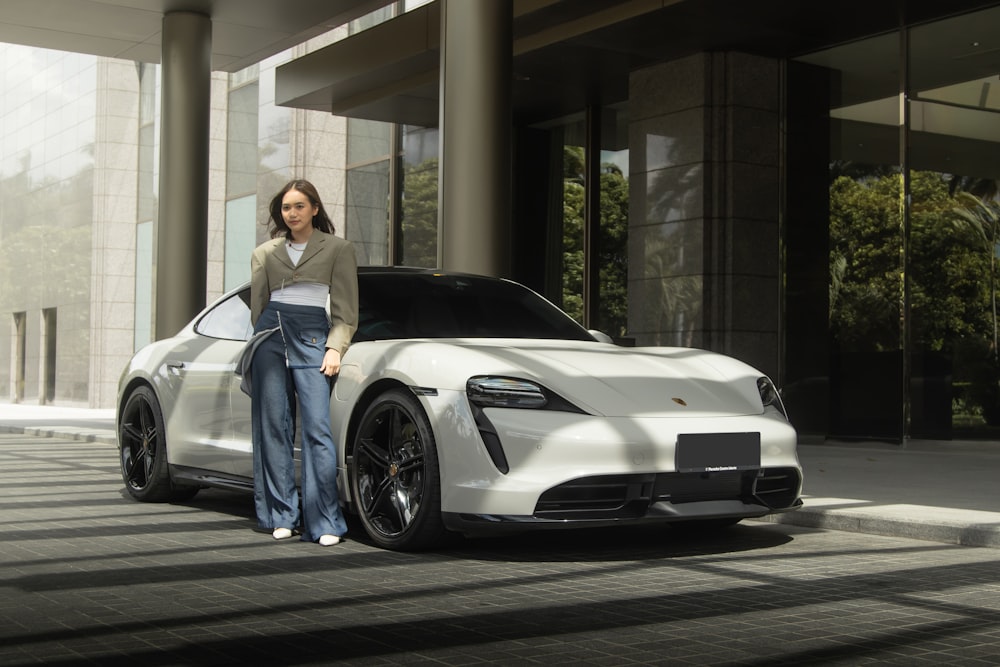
pixel 420 212
pixel 865 263
pixel 612 245
pixel 949 286
pixel 952 282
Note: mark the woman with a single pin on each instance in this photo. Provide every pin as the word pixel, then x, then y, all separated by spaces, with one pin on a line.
pixel 293 278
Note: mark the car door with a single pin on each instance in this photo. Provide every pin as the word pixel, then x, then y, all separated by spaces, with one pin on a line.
pixel 201 427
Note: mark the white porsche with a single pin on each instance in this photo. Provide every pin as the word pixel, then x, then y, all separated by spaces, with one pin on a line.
pixel 472 404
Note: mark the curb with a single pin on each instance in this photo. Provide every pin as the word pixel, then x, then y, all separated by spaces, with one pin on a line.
pixel 80 434
pixel 968 528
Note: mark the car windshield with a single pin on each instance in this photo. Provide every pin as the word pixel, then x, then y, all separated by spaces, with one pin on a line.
pixel 428 305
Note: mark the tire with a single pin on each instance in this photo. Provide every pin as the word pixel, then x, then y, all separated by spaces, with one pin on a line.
pixel 395 479
pixel 143 451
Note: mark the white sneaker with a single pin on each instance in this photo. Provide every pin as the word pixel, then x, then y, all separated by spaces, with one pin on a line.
pixel 281 533
pixel 329 540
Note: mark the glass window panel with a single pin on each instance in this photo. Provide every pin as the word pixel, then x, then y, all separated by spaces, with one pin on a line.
pixel 367 140
pixel 274 126
pixel 143 284
pixel 574 199
pixel 864 283
pixel 612 260
pixel 419 201
pixel 241 238
pixel 368 212
pixel 955 166
pixel 147 202
pixel 241 145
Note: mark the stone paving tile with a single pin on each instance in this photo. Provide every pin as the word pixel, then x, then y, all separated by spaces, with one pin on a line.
pixel 90 577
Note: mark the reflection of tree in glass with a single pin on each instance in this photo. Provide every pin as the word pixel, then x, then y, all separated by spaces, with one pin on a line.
pixel 420 211
pixel 679 300
pixel 949 298
pixel 978 214
pixel 952 279
pixel 43 266
pixel 865 271
pixel 982 216
pixel 612 247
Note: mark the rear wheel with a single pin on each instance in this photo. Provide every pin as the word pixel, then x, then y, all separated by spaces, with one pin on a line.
pixel 143 452
pixel 395 481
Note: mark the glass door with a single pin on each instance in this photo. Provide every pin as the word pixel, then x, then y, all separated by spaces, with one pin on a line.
pixel 954 167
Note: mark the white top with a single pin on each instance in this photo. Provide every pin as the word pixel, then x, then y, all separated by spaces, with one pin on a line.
pixel 294 254
pixel 302 294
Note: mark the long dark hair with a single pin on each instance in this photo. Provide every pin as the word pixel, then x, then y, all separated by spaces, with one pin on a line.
pixel 321 220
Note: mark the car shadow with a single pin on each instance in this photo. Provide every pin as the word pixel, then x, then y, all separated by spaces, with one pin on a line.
pixel 621 543
pixel 604 544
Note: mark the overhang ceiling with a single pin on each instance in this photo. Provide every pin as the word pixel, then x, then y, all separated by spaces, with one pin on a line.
pixel 568 54
pixel 244 32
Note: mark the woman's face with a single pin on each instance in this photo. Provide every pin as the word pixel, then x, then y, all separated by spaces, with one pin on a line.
pixel 298 212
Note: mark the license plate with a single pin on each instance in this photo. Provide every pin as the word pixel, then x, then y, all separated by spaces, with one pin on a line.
pixel 717 452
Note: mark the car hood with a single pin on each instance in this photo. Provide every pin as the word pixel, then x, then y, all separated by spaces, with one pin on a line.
pixel 599 378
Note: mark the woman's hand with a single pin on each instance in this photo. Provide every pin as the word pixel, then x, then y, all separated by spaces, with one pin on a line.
pixel 331 362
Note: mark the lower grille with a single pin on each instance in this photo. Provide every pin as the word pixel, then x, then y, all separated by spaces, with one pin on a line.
pixel 630 496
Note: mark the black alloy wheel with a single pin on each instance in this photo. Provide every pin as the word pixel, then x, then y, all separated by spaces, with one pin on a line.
pixel 144 451
pixel 395 481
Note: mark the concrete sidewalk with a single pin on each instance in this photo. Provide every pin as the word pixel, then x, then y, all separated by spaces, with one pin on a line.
pixel 941 491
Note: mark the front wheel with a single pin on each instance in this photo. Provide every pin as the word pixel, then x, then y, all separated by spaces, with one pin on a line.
pixel 395 480
pixel 143 452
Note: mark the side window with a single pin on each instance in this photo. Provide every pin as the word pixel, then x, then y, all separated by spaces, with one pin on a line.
pixel 229 319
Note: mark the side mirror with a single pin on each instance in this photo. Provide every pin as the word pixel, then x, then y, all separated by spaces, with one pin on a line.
pixel 600 336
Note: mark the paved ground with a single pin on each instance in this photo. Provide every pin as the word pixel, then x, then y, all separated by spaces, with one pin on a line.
pixel 91 577
pixel 944 491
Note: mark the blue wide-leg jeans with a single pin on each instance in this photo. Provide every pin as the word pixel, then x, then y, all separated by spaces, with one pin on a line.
pixel 285 367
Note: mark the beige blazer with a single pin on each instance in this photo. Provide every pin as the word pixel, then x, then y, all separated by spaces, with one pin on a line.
pixel 328 260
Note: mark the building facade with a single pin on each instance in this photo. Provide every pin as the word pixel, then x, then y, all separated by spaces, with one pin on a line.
pixel 79 177
pixel 814 194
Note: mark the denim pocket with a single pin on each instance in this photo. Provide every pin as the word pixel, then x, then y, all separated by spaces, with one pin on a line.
pixel 313 338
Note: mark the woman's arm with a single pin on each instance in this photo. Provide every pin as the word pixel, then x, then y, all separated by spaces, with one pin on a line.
pixel 343 298
pixel 260 291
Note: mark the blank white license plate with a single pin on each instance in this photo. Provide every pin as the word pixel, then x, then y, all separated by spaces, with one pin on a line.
pixel 717 452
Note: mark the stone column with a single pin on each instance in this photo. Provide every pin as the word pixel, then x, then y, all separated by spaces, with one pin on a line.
pixel 182 228
pixel 113 233
pixel 704 252
pixel 474 192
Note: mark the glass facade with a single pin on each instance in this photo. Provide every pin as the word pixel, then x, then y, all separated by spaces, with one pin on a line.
pixel 47 144
pixel 911 238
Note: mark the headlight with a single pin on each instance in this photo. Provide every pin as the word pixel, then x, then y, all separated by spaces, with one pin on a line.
pixel 500 392
pixel 769 395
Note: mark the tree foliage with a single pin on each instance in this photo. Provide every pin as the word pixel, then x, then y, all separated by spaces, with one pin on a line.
pixel 949 278
pixel 420 213
pixel 953 236
pixel 612 244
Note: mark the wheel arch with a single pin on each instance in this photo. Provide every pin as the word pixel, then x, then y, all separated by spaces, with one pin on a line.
pixel 123 396
pixel 368 396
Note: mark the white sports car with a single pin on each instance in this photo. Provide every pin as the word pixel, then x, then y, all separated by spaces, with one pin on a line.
pixel 471 404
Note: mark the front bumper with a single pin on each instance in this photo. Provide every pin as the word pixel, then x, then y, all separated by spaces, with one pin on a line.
pixel 572 468
pixel 650 498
